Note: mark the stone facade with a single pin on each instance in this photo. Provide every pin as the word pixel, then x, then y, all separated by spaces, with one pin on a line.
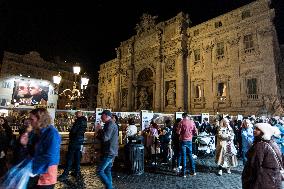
pixel 228 64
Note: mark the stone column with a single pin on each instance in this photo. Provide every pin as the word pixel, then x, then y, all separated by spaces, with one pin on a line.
pixel 157 106
pixel 180 78
pixel 117 92
pixel 130 73
pixel 130 89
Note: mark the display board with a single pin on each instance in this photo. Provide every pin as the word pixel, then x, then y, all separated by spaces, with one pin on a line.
pixel 205 115
pixel 146 117
pixel 29 91
pixel 178 115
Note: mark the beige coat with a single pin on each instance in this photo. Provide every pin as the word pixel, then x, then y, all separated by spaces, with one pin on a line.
pixel 225 149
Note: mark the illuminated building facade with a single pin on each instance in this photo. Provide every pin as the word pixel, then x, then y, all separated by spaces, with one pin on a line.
pixel 228 64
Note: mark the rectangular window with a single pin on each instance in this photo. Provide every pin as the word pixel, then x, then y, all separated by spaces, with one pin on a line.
pixel 248 43
pixel 252 86
pixel 252 89
pixel 246 14
pixel 197 55
pixel 221 89
pixel 220 50
pixel 218 24
pixel 197 91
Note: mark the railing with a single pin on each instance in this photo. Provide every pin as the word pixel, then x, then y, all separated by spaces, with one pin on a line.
pixel 249 50
pixel 252 96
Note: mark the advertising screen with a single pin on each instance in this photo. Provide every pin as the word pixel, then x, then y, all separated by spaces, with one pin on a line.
pixel 30 92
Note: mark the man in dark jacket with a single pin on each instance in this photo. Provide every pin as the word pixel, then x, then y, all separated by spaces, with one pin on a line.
pixel 76 140
pixel 110 148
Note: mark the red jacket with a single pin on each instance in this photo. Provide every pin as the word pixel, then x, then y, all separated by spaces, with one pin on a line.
pixel 186 130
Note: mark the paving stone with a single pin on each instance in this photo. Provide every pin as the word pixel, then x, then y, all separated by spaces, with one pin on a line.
pixel 160 178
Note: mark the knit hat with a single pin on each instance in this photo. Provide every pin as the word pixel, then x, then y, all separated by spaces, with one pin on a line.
pixel 267 130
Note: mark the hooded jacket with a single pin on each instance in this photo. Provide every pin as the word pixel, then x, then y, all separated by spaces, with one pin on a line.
pixel 77 132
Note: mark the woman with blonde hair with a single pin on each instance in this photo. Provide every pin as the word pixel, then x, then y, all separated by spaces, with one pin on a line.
pixel 225 149
pixel 47 152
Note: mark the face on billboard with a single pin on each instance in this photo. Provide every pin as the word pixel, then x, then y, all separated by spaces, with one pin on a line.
pixel 35 89
pixel 23 89
pixel 30 92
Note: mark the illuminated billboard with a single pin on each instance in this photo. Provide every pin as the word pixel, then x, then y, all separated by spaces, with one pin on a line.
pixel 30 92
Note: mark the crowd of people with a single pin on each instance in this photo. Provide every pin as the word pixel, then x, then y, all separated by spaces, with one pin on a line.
pixel 258 142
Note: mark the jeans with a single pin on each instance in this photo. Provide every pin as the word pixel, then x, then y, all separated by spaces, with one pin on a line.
pixel 187 145
pixel 104 171
pixel 176 150
pixel 73 155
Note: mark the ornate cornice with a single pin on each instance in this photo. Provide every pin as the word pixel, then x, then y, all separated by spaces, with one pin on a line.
pixel 250 72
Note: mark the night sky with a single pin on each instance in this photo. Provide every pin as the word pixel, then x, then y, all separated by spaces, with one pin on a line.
pixel 89 31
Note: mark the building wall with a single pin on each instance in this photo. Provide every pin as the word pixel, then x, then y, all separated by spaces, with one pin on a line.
pixel 227 64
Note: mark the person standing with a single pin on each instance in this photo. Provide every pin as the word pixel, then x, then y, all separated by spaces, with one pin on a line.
pixel 262 169
pixel 205 126
pixel 247 138
pixel 76 140
pixel 225 149
pixel 109 147
pixel 175 144
pixel 5 139
pixel 186 130
pixel 47 150
pixel 165 139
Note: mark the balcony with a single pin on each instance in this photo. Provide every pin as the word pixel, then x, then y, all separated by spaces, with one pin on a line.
pixel 252 96
pixel 249 50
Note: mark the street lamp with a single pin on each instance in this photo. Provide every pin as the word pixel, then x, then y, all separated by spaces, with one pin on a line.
pixel 56 80
pixel 75 93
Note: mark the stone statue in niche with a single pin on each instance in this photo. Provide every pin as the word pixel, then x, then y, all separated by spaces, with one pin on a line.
pixel 108 100
pixel 143 98
pixel 171 94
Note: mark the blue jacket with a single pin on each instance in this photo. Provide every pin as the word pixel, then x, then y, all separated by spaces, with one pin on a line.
pixel 247 138
pixel 47 151
pixel 280 140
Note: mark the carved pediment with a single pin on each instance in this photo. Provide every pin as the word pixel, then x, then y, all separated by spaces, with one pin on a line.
pixel 147 23
pixel 251 72
pixel 221 77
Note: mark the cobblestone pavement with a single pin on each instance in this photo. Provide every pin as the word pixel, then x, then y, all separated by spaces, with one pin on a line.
pixel 161 177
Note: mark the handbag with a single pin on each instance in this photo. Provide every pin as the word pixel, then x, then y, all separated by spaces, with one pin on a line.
pixel 277 159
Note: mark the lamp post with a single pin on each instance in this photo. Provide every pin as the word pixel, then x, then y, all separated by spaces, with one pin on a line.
pixel 74 94
pixel 56 80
